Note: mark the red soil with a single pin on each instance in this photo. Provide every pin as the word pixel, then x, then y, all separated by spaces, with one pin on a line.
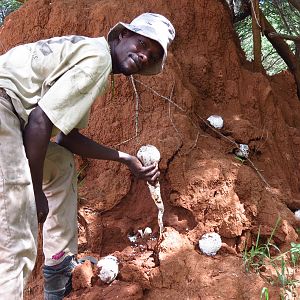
pixel 204 187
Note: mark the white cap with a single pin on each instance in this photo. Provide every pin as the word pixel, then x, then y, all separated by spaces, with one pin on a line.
pixel 153 26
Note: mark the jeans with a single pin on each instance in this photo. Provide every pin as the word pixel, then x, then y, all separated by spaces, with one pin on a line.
pixel 58 279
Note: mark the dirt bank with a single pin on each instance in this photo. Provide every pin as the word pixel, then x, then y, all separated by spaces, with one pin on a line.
pixel 204 187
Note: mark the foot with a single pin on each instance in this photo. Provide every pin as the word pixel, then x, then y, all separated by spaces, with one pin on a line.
pixel 58 279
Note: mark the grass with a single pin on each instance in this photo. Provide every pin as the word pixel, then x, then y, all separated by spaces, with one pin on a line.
pixel 242 160
pixel 258 258
pixel 264 292
pixel 255 258
pixel 295 253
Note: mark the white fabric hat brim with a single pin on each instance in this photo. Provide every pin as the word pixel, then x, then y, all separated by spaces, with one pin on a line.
pixel 114 34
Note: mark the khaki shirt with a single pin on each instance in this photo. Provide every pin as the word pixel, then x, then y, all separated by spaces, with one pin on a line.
pixel 63 75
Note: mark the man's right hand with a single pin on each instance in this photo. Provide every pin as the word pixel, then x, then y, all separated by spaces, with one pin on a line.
pixel 83 146
pixel 149 173
pixel 42 208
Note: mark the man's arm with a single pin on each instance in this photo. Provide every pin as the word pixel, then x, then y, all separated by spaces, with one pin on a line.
pixel 81 145
pixel 36 137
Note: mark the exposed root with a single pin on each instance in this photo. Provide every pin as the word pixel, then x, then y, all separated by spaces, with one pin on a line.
pixel 194 145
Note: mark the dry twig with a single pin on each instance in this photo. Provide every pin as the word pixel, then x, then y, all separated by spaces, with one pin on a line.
pixel 170 116
pixel 161 96
pixel 258 172
pixel 137 100
pixel 194 145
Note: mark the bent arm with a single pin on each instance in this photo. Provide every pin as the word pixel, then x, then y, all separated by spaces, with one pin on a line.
pixel 81 145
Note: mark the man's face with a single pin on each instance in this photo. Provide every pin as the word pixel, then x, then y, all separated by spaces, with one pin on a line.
pixel 135 53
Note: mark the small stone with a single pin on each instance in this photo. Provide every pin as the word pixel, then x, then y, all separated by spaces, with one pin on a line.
pixel 82 276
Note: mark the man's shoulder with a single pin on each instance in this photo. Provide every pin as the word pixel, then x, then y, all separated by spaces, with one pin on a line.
pixel 99 42
pixel 97 48
pixel 96 45
pixel 74 41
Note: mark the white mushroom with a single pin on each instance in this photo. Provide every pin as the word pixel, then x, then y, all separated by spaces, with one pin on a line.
pixel 141 233
pixel 297 215
pixel 243 151
pixel 147 231
pixel 109 268
pixel 148 155
pixel 132 238
pixel 210 243
pixel 216 121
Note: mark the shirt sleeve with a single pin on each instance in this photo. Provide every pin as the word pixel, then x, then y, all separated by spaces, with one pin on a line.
pixel 83 123
pixel 69 99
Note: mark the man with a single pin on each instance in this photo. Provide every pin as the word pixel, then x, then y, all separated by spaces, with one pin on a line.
pixel 46 89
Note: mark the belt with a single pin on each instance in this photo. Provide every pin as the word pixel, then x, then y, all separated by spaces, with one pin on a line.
pixel 3 94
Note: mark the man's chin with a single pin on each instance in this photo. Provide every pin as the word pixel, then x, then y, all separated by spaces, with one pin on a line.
pixel 127 71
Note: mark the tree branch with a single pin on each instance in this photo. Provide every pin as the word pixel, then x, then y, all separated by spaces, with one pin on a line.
pixel 283 50
pixel 256 30
pixel 295 3
pixel 279 44
pixel 280 11
pixel 285 36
